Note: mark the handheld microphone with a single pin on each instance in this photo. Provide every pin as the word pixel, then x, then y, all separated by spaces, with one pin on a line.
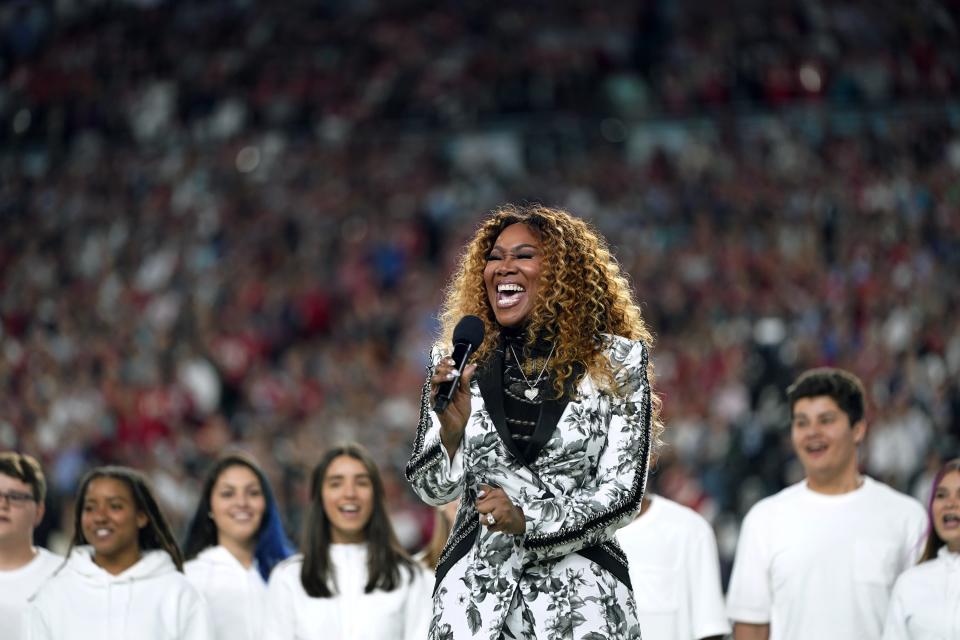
pixel 467 337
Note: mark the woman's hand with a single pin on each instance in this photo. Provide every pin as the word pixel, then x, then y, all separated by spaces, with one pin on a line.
pixel 507 517
pixel 453 420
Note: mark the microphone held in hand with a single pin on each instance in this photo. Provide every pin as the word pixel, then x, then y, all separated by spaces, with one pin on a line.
pixel 467 337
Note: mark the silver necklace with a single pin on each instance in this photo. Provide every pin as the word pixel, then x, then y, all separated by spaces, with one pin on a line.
pixel 532 392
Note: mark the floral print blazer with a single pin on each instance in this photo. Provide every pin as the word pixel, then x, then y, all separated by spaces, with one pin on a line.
pixel 590 451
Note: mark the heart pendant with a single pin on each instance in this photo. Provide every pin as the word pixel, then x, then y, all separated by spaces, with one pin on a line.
pixel 531 393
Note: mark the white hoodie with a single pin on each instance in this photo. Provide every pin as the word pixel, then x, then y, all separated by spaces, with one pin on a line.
pixel 18 585
pixel 150 600
pixel 925 604
pixel 401 614
pixel 235 594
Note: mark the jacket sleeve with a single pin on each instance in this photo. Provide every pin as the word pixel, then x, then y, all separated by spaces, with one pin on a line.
pixel 749 597
pixel 895 627
pixel 704 591
pixel 280 619
pixel 433 475
pixel 419 605
pixel 565 524
pixel 196 623
pixel 34 625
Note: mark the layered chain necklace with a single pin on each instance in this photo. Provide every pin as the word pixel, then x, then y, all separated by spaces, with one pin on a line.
pixel 531 392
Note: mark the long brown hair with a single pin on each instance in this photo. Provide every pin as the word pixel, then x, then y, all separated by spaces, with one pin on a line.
pixel 934 541
pixel 385 556
pixel 272 542
pixel 586 295
pixel 155 535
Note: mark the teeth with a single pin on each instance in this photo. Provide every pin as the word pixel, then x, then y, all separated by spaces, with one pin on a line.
pixel 951 517
pixel 350 508
pixel 100 533
pixel 243 515
pixel 509 287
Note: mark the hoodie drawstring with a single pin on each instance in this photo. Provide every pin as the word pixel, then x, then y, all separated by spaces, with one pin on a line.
pixel 126 610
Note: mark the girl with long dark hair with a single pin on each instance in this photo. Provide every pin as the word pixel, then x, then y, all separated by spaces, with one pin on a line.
pixel 353 579
pixel 123 574
pixel 235 539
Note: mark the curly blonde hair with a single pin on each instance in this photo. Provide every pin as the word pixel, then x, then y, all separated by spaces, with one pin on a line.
pixel 586 295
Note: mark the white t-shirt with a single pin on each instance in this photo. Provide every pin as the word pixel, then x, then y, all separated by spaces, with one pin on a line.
pixel 235 595
pixel 149 601
pixel 822 566
pixel 18 585
pixel 403 614
pixel 925 604
pixel 675 573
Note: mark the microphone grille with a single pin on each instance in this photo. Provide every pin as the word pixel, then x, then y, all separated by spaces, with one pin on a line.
pixel 469 330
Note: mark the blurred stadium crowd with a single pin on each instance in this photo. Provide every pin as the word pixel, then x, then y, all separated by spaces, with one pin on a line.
pixel 229 223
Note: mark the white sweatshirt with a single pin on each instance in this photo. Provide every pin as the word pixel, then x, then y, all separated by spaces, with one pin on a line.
pixel 675 573
pixel 235 595
pixel 925 604
pixel 18 585
pixel 149 601
pixel 401 614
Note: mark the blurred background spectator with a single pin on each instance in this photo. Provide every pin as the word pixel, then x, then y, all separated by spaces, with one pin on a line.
pixel 228 223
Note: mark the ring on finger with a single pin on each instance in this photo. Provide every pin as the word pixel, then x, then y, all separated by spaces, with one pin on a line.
pixel 491 520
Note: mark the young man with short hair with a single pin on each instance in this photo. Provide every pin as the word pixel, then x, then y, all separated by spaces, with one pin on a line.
pixel 819 559
pixel 23 567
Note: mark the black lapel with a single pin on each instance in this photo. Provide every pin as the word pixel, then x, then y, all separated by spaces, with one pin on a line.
pixel 491 388
pixel 550 412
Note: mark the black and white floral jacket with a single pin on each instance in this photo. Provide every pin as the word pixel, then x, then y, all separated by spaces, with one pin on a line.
pixel 586 480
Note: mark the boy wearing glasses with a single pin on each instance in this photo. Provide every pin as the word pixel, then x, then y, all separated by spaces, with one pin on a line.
pixel 23 567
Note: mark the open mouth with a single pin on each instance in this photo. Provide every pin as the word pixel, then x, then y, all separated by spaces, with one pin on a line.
pixel 349 510
pixel 816 448
pixel 242 516
pixel 102 533
pixel 951 520
pixel 509 294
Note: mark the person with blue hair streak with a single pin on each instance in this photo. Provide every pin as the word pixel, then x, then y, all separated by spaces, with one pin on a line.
pixel 235 539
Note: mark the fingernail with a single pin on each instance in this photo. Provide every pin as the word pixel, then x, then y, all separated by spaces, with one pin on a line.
pixel 450 376
pixel 481 493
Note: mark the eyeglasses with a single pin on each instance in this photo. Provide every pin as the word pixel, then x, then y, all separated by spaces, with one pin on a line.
pixel 17 498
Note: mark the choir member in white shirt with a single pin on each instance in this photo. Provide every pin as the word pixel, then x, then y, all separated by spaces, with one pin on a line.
pixel 123 575
pixel 353 581
pixel 675 572
pixel 819 559
pixel 925 603
pixel 235 539
pixel 23 567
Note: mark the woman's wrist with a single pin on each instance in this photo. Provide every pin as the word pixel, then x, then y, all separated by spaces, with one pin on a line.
pixel 451 441
pixel 520 522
